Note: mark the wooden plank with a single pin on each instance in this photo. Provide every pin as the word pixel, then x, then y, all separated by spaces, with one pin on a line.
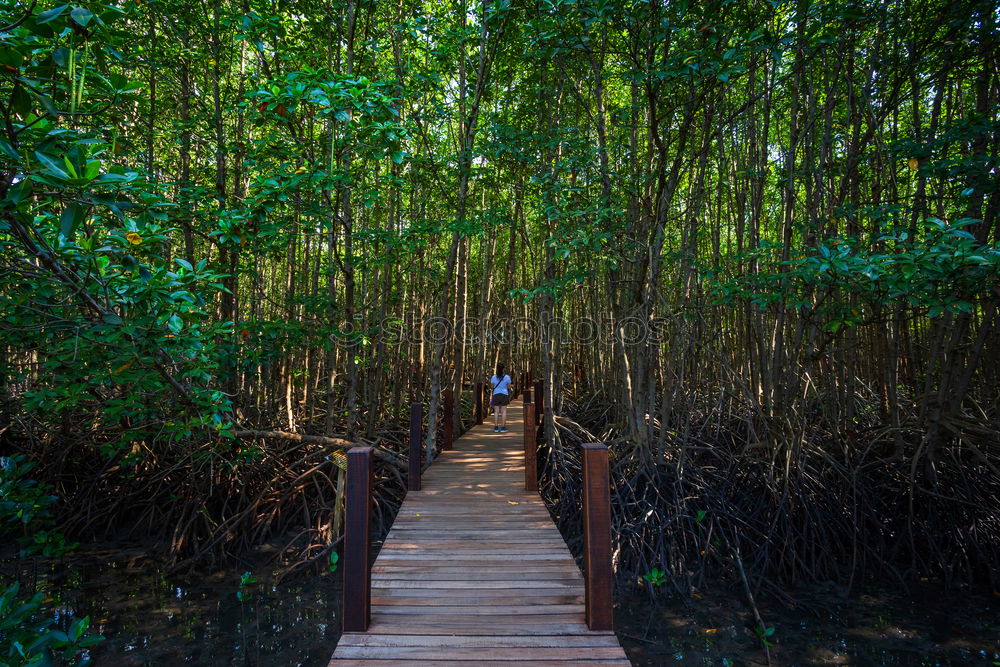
pixel 437 570
pixel 479 654
pixel 473 557
pixel 514 544
pixel 487 663
pixel 502 506
pixel 496 641
pixel 391 625
pixel 460 534
pixel 481 623
pixel 482 585
pixel 383 579
pixel 481 600
pixel 462 525
pixel 454 593
pixel 493 610
pixel 430 551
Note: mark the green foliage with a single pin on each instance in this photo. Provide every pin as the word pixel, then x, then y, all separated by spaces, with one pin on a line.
pixel 25 510
pixel 28 626
pixel 243 594
pixel 28 637
pixel 764 635
pixel 123 324
pixel 942 269
pixel 655 577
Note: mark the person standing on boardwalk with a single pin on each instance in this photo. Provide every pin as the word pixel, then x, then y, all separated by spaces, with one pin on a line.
pixel 501 397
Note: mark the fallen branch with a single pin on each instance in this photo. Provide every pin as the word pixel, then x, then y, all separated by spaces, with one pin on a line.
pixel 383 454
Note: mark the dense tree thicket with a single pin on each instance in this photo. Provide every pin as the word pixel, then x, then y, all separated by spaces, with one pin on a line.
pixel 752 244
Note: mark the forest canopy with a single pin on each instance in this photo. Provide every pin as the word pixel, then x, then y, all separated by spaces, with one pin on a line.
pixel 226 219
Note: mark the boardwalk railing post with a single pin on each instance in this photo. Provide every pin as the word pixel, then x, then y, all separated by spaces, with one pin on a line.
pixel 530 449
pixel 598 576
pixel 416 447
pixel 479 403
pixel 526 396
pixel 357 540
pixel 449 425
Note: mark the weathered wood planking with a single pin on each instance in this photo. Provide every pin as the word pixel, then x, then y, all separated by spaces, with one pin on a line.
pixel 475 572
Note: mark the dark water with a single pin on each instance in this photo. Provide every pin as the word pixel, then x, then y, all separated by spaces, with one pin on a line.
pixel 923 627
pixel 150 619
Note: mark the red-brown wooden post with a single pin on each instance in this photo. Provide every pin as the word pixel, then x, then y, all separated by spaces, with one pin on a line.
pixel 598 575
pixel 357 540
pixel 526 397
pixel 530 449
pixel 416 447
pixel 479 402
pixel 449 424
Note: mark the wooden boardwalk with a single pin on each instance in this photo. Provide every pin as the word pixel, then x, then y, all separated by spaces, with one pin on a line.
pixel 475 572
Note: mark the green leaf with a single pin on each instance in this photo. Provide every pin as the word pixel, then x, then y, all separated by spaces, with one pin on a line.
pixel 175 324
pixel 51 166
pixel 70 167
pixel 184 263
pixel 115 178
pixel 19 191
pixel 50 15
pixel 46 101
pixel 111 318
pixel 12 58
pixel 78 627
pixel 71 218
pixel 61 56
pixel 8 151
pixel 92 169
pixel 82 16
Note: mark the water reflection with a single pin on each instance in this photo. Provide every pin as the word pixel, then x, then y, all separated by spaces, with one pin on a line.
pixel 150 620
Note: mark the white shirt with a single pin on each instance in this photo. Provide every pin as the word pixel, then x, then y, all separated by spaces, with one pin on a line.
pixel 501 386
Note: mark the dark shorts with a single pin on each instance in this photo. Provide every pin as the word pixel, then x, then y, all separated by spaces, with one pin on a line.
pixel 500 399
